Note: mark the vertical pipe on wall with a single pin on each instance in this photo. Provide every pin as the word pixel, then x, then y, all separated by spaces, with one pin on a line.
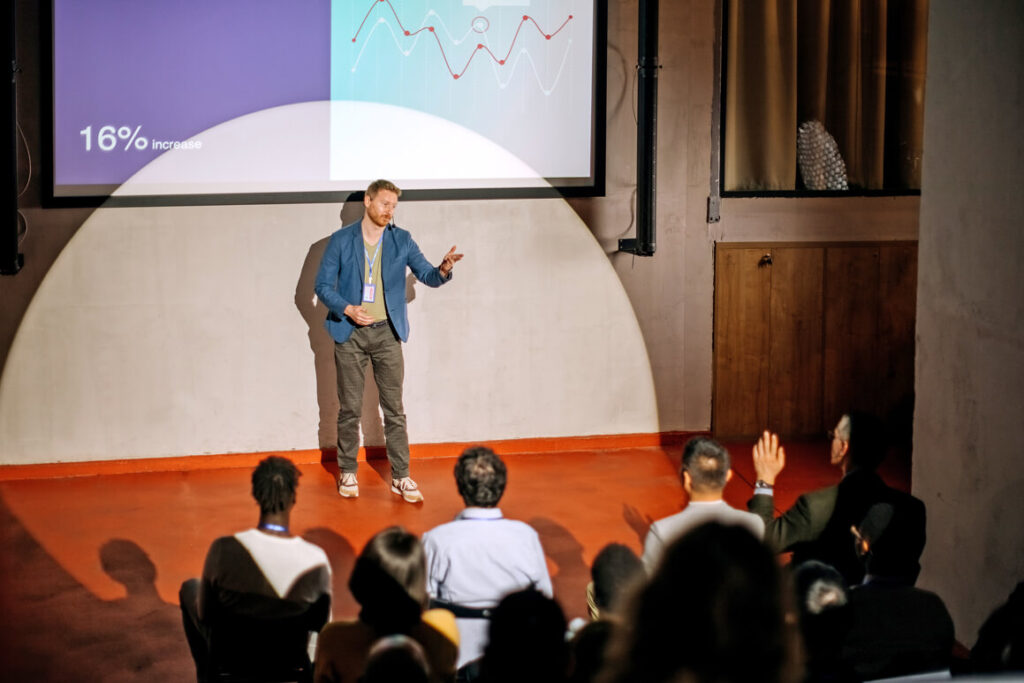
pixel 646 134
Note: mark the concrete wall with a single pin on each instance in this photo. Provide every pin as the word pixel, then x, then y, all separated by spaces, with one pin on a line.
pixel 185 330
pixel 970 309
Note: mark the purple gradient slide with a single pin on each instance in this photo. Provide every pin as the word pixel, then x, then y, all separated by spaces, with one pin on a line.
pixel 134 77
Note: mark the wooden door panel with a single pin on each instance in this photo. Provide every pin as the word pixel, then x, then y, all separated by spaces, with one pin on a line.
pixel 852 374
pixel 740 406
pixel 897 317
pixel 795 346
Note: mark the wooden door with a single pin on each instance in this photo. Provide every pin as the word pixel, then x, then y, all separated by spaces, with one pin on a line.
pixel 804 333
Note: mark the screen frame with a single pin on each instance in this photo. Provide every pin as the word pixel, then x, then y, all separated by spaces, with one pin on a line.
pixel 50 199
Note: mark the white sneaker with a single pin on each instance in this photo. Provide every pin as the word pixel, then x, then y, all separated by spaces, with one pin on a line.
pixel 348 487
pixel 407 489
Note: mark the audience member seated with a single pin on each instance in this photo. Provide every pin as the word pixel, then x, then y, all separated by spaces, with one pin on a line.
pixel 824 617
pixel 389 583
pixel 262 591
pixel 713 611
pixel 704 471
pixel 817 527
pixel 526 641
pixel 1000 645
pixel 896 629
pixel 396 658
pixel 615 571
pixel 476 560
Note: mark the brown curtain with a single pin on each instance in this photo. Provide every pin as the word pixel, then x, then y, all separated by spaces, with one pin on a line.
pixel 760 97
pixel 855 65
pixel 904 131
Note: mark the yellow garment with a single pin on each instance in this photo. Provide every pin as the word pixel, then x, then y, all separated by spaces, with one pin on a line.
pixel 376 308
pixel 442 621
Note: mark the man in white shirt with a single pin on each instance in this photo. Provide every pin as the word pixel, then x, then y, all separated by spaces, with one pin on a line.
pixel 705 471
pixel 264 574
pixel 480 557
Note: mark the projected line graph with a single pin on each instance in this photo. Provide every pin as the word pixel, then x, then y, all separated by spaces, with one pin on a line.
pixel 479 25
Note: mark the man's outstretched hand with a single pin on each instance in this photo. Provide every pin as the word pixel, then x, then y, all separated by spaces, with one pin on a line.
pixel 769 458
pixel 448 262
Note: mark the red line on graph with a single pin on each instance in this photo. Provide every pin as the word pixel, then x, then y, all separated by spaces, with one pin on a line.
pixel 479 46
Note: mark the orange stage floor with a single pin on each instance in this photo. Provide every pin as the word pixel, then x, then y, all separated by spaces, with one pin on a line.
pixel 91 565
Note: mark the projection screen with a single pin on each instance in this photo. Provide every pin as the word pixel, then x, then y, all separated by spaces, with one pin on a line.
pixel 309 100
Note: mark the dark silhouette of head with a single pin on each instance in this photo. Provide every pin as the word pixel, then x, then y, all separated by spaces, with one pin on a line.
pixel 128 564
pixel 396 658
pixel 706 463
pixel 480 476
pixel 891 538
pixel 616 567
pixel 389 581
pixel 818 587
pixel 527 640
pixel 866 438
pixel 274 482
pixel 824 616
pixel 1000 644
pixel 713 611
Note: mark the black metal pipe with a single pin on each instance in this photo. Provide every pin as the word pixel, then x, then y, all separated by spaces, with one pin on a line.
pixel 10 260
pixel 646 134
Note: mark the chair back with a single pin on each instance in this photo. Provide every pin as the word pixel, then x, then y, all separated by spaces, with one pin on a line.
pixel 265 648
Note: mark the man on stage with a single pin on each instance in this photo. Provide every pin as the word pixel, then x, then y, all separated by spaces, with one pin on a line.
pixel 362 282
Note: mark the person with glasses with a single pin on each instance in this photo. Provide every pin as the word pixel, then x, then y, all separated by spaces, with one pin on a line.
pixel 818 526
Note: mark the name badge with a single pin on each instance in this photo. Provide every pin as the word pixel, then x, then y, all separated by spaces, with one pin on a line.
pixel 369 292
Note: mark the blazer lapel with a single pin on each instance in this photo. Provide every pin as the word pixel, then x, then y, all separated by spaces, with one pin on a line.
pixel 358 260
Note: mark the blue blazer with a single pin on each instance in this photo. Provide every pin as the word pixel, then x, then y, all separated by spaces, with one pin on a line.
pixel 339 282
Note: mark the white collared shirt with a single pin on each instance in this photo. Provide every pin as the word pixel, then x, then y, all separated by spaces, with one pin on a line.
pixel 668 529
pixel 477 560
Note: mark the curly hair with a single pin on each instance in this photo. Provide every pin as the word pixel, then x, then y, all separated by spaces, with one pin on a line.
pixel 273 484
pixel 480 476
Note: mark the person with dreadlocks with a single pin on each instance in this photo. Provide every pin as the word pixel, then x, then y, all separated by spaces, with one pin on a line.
pixel 260 573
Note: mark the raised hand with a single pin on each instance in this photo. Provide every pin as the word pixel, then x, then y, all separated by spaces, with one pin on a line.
pixel 769 457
